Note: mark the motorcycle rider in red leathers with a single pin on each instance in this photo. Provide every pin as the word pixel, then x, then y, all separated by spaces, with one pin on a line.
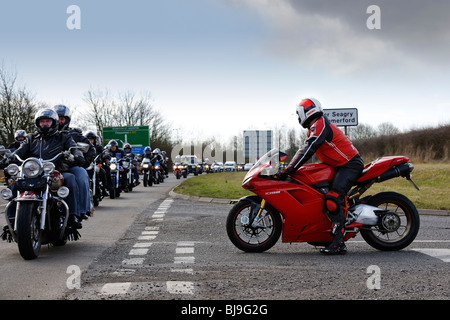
pixel 332 147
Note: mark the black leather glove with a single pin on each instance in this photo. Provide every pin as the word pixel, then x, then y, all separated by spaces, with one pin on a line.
pixel 281 174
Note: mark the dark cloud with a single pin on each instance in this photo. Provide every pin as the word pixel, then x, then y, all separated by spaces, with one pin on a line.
pixel 413 35
pixel 415 27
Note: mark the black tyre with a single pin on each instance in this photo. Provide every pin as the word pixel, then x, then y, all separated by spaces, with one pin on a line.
pixel 112 193
pixel 250 238
pixel 57 220
pixel 398 225
pixel 29 233
pixel 145 180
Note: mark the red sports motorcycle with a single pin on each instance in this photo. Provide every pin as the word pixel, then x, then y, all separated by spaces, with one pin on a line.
pixel 294 207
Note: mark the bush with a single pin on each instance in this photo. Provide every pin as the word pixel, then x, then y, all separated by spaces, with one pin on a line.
pixel 423 145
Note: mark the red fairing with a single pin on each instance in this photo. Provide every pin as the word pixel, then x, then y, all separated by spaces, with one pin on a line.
pixel 379 166
pixel 312 174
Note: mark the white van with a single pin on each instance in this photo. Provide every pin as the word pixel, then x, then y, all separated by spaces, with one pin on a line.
pixel 230 166
pixel 192 163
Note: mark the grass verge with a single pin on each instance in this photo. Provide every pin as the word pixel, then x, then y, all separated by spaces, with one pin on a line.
pixel 432 179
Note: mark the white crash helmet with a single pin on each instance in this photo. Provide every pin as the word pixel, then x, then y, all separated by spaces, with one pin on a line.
pixel 307 110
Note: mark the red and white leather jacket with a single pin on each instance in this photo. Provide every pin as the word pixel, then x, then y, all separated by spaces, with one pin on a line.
pixel 328 142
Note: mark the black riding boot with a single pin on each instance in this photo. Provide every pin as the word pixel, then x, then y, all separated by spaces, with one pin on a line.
pixel 338 230
pixel 338 244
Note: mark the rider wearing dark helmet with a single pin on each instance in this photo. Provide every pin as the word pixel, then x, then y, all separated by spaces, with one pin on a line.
pixel 19 138
pixel 95 141
pixel 332 147
pixel 127 150
pixel 46 143
pixel 115 151
pixel 84 196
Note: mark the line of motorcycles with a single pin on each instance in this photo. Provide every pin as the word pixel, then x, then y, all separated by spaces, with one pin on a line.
pixel 37 212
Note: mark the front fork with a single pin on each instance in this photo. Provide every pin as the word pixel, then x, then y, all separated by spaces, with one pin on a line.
pixel 257 218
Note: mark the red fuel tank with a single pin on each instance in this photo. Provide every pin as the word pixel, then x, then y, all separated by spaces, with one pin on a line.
pixel 312 174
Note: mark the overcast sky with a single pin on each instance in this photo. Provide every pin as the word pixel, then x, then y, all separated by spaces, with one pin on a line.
pixel 217 67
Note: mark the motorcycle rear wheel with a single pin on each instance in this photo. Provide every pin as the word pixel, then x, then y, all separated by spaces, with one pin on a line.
pixel 253 239
pixel 29 233
pixel 398 227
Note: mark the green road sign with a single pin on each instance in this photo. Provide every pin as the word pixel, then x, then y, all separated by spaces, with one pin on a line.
pixel 137 136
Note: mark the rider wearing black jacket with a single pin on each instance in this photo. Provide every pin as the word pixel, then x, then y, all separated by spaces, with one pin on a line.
pixel 46 143
pixel 84 196
pixel 94 140
pixel 115 151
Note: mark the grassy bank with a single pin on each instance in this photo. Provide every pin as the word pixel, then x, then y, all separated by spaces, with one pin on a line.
pixel 432 179
pixel 226 185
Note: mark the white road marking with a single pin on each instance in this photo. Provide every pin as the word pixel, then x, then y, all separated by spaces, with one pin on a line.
pixel 115 288
pixel 442 254
pixel 133 262
pixel 146 238
pixel 184 250
pixel 184 260
pixel 180 287
pixel 142 244
pixel 151 232
pixel 138 252
pixel 187 270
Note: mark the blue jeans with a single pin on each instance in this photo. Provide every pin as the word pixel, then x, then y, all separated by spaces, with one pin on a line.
pixel 84 194
pixel 72 199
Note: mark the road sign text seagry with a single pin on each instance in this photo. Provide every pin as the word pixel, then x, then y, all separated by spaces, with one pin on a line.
pixel 342 117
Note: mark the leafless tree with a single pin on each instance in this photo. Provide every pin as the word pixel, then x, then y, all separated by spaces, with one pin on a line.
pixel 362 131
pixel 126 109
pixel 17 107
pixel 387 129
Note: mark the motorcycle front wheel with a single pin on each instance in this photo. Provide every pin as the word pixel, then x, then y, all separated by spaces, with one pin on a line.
pixel 398 224
pixel 250 237
pixel 145 179
pixel 29 233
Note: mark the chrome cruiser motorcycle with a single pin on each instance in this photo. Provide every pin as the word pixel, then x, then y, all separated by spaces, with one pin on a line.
pixel 128 165
pixel 147 172
pixel 95 184
pixel 115 167
pixel 41 213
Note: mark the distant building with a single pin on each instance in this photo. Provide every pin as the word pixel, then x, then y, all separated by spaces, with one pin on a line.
pixel 256 144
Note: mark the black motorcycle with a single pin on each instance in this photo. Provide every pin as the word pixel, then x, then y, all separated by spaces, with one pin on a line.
pixel 95 184
pixel 147 172
pixel 128 165
pixel 117 181
pixel 41 213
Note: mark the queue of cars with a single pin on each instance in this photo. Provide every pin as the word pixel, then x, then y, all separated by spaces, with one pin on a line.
pixel 195 166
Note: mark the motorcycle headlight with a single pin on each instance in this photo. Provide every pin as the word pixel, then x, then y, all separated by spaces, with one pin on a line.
pixel 145 166
pixel 156 167
pixel 49 167
pixel 125 164
pixel 113 166
pixel 63 192
pixel 13 169
pixel 6 194
pixel 32 168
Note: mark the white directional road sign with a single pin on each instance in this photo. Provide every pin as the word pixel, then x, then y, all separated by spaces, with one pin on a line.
pixel 345 117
